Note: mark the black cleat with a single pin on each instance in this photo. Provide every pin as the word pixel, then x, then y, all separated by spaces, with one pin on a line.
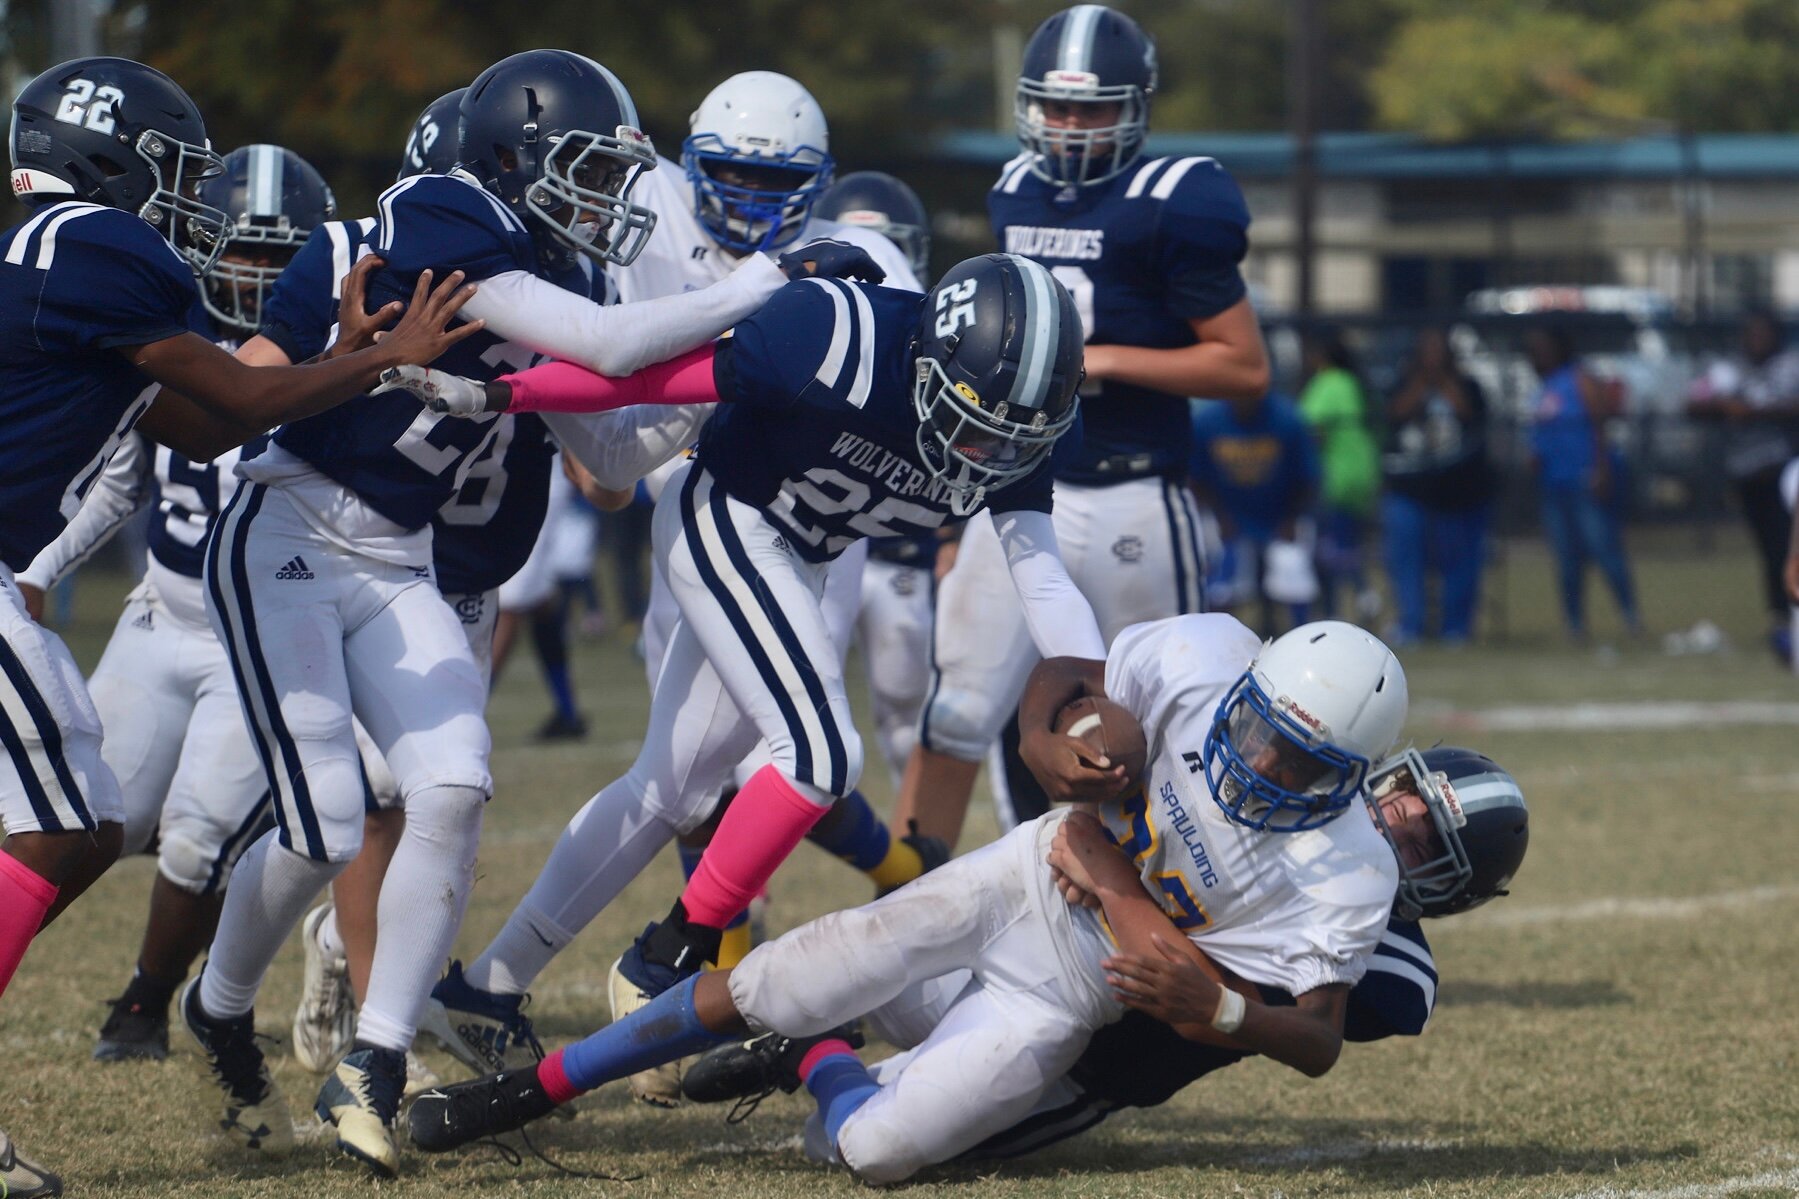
pixel 750 1071
pixel 135 1029
pixel 563 726
pixel 255 1113
pixel 444 1118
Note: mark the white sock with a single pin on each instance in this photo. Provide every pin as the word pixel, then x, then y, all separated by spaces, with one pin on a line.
pixel 608 843
pixel 423 899
pixel 270 891
pixel 331 942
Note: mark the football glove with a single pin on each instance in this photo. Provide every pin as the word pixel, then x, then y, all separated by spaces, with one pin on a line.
pixel 831 259
pixel 439 391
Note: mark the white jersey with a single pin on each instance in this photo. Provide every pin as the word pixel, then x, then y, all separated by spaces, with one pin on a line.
pixel 683 256
pixel 1289 910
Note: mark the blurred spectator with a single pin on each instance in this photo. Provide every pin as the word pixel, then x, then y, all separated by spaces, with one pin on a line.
pixel 1254 467
pixel 1756 395
pixel 625 544
pixel 1577 481
pixel 1439 487
pixel 1334 406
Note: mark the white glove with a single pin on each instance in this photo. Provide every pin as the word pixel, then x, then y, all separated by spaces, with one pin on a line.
pixel 439 391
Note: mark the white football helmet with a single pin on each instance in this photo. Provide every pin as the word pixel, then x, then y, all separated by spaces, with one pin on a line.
pixel 758 158
pixel 1296 736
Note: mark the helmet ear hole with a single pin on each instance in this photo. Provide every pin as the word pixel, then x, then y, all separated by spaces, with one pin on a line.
pixel 111 167
pixel 506 158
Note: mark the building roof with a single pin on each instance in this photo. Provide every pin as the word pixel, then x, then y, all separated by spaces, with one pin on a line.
pixel 1407 156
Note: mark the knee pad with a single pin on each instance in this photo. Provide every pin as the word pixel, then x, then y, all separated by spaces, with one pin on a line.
pixel 876 1152
pixel 450 814
pixel 960 722
pixel 821 782
pixel 188 857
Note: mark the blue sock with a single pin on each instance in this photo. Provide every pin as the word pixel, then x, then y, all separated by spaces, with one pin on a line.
pixel 841 1084
pixel 853 832
pixel 661 1031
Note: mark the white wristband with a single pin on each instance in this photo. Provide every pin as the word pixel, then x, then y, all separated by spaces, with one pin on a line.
pixel 1231 1010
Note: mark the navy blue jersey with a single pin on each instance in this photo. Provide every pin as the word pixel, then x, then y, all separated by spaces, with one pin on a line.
pixel 404 461
pixel 1141 1062
pixel 818 427
pixel 76 281
pixel 1142 255
pixel 483 535
pixel 302 306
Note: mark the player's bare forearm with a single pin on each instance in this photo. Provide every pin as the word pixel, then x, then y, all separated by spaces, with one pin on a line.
pixel 211 402
pixel 1792 566
pixel 1066 767
pixel 1227 362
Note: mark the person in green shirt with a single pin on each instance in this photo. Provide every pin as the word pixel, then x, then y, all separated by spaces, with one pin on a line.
pixel 1334 406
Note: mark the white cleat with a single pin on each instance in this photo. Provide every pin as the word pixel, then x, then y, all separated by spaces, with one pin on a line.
pixel 325 1024
pixel 362 1100
pixel 419 1076
pixel 22 1178
pixel 659 1086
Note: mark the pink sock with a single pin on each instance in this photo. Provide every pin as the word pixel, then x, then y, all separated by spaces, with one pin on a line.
pixel 834 1047
pixel 762 826
pixel 25 895
pixel 554 1079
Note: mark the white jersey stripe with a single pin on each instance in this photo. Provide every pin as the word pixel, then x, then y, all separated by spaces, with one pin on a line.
pixel 1410 973
pixel 386 206
pixel 831 369
pixel 1172 177
pixel 865 347
pixel 15 253
pixel 46 246
pixel 1140 180
pixel 1410 949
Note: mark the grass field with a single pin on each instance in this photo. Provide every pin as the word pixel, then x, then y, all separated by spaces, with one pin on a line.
pixel 1614 1028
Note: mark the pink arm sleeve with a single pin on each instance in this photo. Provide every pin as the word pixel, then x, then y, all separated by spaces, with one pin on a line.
pixel 565 387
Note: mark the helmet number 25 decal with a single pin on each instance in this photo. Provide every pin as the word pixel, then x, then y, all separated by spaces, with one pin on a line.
pixel 955 307
pixel 85 104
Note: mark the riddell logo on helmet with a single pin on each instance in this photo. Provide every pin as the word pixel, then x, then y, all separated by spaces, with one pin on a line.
pixel 1085 81
pixel 1451 800
pixel 1302 716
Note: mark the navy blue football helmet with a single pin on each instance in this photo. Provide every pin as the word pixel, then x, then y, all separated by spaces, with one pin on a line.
pixel 879 202
pixel 115 132
pixel 1085 55
pixel 554 135
pixel 274 199
pixel 433 144
pixel 1482 828
pixel 998 365
pixel 759 158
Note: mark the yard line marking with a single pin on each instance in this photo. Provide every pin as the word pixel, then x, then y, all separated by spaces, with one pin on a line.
pixel 1701 1190
pixel 1621 907
pixel 1593 717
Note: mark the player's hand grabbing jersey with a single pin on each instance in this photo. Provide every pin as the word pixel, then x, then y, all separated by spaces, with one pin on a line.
pixel 819 428
pixel 76 282
pixel 1143 255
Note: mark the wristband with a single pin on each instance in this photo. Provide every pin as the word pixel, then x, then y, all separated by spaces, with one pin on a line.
pixel 1231 1009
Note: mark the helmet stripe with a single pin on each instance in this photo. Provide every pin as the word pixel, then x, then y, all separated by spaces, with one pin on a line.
pixel 263 187
pixel 1042 328
pixel 1075 53
pixel 1487 791
pixel 626 107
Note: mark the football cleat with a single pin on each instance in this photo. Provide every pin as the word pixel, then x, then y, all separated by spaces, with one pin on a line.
pixel 750 1071
pixel 419 1076
pixel 255 1112
pixel 325 1022
pixel 484 1031
pixel 134 1030
pixel 446 1117
pixel 362 1099
pixel 22 1178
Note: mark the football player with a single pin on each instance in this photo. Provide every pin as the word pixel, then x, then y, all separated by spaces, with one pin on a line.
pixel 320 570
pixel 175 736
pixel 1151 252
pixel 1246 839
pixel 96 287
pixel 753 169
pixel 849 411
pixel 1458 826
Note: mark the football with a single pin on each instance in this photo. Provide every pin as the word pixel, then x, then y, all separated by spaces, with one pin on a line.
pixel 1109 729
